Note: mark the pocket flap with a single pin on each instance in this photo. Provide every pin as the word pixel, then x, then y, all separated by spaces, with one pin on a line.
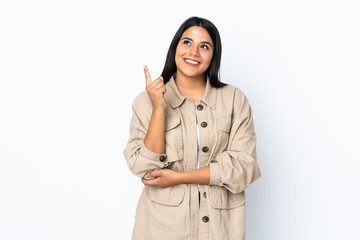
pixel 171 196
pixel 173 139
pixel 171 122
pixel 225 124
pixel 221 198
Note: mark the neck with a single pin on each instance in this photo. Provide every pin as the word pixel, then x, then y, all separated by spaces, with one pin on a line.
pixel 193 88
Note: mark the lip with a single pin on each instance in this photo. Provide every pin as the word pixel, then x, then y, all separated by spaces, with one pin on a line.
pixel 191 64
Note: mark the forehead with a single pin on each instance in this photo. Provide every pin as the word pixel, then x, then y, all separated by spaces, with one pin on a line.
pixel 197 34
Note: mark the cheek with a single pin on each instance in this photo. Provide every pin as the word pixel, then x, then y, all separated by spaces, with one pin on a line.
pixel 178 53
pixel 209 58
pixel 177 57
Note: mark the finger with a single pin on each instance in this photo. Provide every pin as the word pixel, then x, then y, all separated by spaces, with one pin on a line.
pixel 155 173
pixel 152 182
pixel 148 182
pixel 147 76
pixel 156 84
pixel 161 79
pixel 160 91
pixel 157 81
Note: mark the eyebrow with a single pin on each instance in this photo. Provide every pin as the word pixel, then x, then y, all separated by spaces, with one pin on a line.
pixel 193 40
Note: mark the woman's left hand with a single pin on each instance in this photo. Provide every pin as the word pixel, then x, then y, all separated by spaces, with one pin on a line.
pixel 164 178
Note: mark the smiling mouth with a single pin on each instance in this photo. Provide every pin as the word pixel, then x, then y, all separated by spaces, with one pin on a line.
pixel 191 62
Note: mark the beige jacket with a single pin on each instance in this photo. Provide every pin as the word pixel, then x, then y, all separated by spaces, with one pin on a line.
pixel 227 145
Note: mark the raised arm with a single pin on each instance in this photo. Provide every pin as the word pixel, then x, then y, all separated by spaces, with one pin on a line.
pixel 146 144
pixel 155 137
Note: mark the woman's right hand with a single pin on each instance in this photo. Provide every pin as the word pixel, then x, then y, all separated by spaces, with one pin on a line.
pixel 156 90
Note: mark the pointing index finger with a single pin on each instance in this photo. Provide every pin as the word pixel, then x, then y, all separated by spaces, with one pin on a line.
pixel 147 76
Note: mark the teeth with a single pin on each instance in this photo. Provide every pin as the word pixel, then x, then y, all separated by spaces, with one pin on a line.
pixel 191 61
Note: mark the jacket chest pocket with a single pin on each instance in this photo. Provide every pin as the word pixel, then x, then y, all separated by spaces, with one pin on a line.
pixel 173 139
pixel 224 126
pixel 221 198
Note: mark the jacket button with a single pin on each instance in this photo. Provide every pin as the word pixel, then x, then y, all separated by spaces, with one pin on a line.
pixel 162 158
pixel 205 149
pixel 205 219
pixel 204 124
pixel 200 107
pixel 204 194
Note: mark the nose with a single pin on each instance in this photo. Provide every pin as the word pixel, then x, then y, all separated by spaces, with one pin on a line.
pixel 194 51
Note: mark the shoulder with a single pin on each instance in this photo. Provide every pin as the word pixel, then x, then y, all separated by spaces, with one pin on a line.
pixel 141 100
pixel 232 93
pixel 142 107
pixel 232 101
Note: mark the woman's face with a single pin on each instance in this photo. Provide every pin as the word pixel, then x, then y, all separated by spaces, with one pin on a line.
pixel 194 52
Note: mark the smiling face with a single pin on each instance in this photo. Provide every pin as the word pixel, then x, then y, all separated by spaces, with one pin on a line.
pixel 194 53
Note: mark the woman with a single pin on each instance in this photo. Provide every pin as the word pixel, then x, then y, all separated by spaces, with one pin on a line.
pixel 192 143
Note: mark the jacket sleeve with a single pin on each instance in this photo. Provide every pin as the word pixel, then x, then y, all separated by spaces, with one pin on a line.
pixel 140 159
pixel 237 167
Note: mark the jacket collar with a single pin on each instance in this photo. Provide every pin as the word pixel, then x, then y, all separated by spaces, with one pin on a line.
pixel 176 99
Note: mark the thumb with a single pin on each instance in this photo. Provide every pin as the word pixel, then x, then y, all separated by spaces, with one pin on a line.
pixel 162 79
pixel 155 174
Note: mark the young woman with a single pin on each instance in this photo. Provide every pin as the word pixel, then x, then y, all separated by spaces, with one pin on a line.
pixel 192 143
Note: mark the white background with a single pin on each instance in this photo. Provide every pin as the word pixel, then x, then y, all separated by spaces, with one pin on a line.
pixel 69 71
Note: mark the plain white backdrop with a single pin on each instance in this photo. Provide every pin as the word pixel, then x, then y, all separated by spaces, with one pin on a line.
pixel 69 71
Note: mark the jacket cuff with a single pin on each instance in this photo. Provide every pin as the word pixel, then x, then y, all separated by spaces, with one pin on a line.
pixel 215 176
pixel 147 153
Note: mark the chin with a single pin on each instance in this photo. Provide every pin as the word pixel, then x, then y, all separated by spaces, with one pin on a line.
pixel 192 74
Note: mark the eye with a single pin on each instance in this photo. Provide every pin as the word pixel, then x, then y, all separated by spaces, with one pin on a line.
pixel 204 46
pixel 187 42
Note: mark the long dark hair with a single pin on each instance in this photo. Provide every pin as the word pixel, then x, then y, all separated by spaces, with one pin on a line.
pixel 213 70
